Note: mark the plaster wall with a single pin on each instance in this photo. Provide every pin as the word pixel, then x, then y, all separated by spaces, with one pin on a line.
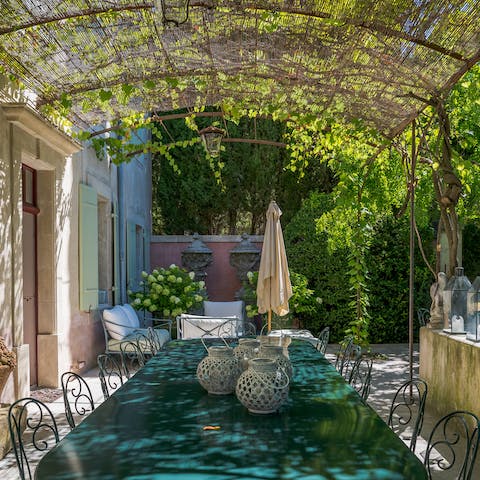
pixel 222 282
pixel 67 338
pixel 79 333
pixel 449 365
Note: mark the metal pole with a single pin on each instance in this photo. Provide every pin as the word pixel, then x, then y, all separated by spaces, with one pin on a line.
pixel 412 251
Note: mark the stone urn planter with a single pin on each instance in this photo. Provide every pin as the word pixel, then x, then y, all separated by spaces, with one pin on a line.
pixel 5 371
pixel 8 361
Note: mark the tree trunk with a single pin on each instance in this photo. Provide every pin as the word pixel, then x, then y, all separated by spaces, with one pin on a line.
pixel 448 188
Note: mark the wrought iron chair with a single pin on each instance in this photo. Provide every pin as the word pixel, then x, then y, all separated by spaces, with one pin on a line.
pixel 423 315
pixel 110 373
pixel 453 445
pixel 76 394
pixel 347 355
pixel 345 345
pixel 407 410
pixel 132 357
pixel 361 376
pixel 39 424
pixel 322 340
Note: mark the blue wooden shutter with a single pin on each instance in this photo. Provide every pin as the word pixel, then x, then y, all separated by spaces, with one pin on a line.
pixel 88 247
pixel 131 256
pixel 117 297
pixel 146 250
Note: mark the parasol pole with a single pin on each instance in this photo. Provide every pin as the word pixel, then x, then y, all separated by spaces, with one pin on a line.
pixel 269 321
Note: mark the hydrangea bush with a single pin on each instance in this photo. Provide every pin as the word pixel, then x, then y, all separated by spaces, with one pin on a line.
pixel 168 292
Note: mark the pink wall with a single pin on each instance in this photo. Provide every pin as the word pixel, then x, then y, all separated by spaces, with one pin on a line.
pixel 221 281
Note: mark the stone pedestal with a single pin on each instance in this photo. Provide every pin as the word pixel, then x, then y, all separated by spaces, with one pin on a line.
pixel 449 364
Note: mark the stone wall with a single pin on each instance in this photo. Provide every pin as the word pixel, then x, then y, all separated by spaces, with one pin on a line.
pixel 448 363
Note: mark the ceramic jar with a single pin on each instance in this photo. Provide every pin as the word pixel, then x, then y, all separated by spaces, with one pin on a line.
pixel 276 353
pixel 246 350
pixel 219 370
pixel 262 387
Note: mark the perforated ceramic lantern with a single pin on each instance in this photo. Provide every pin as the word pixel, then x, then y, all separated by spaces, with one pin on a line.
pixel 262 387
pixel 455 302
pixel 473 311
pixel 246 350
pixel 218 372
pixel 276 352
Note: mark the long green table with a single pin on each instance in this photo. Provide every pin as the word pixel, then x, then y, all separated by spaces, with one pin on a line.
pixel 152 428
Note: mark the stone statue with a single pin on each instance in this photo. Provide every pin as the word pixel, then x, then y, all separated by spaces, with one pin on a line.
pixel 436 308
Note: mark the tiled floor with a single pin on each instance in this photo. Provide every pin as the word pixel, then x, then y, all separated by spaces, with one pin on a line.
pixel 389 371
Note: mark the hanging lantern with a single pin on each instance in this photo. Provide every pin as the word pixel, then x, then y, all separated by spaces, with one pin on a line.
pixel 212 139
pixel 173 11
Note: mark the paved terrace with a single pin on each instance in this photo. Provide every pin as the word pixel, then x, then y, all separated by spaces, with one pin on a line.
pixel 390 370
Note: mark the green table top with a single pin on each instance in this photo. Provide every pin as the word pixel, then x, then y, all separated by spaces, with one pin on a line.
pixel 152 428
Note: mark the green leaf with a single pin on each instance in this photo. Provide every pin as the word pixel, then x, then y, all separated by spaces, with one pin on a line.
pixel 105 95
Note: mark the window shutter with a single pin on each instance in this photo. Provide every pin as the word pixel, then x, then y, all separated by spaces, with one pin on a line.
pixel 88 247
pixel 146 250
pixel 131 256
pixel 117 297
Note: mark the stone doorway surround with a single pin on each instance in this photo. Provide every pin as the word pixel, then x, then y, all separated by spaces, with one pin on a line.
pixel 34 142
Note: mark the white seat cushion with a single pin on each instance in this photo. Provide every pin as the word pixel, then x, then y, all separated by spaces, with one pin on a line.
pixel 133 319
pixel 139 337
pixel 198 326
pixel 223 309
pixel 117 322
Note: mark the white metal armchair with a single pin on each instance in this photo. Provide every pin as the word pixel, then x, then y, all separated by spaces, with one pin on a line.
pixel 220 319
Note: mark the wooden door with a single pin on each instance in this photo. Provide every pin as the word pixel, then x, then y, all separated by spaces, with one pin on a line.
pixel 30 291
pixel 29 238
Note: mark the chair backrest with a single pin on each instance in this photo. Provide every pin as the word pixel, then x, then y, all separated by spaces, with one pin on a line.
pixel 322 340
pixel 32 426
pixel 453 445
pixel 199 326
pixel 407 410
pixel 132 357
pixel 77 397
pixel 423 315
pixel 110 373
pixel 224 309
pixel 345 346
pixel 361 376
pixel 347 355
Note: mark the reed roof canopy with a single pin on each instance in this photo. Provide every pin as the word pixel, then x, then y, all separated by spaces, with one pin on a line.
pixel 365 59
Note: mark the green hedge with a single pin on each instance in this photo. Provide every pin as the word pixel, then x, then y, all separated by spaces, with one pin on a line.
pixel 389 262
pixel 307 254
pixel 388 279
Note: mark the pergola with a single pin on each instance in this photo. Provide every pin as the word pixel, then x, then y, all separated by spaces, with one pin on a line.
pixel 378 61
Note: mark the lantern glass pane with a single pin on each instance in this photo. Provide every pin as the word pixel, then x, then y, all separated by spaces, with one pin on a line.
pixel 473 311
